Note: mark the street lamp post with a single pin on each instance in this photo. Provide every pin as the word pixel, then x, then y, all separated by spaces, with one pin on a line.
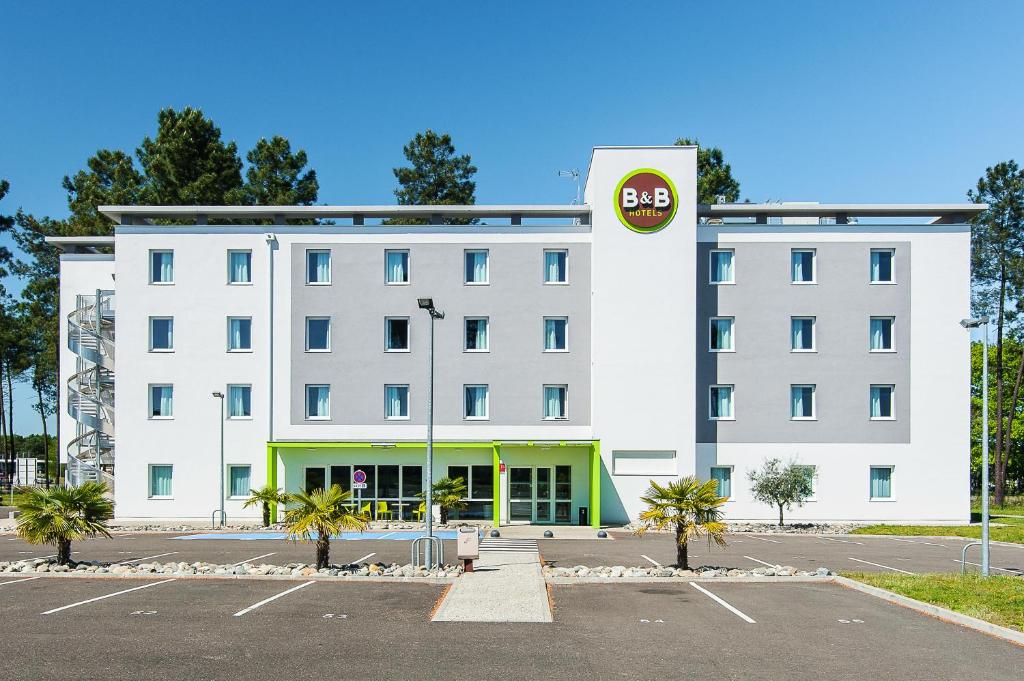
pixel 428 305
pixel 220 494
pixel 974 323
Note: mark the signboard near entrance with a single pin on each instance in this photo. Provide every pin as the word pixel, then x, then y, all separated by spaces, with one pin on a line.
pixel 358 479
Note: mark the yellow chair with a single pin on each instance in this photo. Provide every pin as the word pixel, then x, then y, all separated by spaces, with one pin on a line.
pixel 418 513
pixel 365 510
pixel 383 512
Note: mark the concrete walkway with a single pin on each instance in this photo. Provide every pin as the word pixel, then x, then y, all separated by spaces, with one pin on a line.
pixel 504 587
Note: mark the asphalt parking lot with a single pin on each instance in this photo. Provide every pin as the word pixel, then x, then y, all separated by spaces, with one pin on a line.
pixel 224 629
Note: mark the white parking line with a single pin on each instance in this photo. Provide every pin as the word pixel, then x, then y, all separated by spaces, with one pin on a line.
pixel 774 541
pixel 912 541
pixel 272 598
pixel 868 562
pixel 722 603
pixel 249 560
pixel 360 560
pixel 759 561
pixel 1012 571
pixel 136 560
pixel 842 541
pixel 100 598
pixel 652 561
pixel 387 534
pixel 15 581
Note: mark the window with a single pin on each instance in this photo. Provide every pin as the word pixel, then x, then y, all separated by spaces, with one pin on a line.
pixel 318 334
pixel 476 334
pixel 239 481
pixel 479 492
pixel 801 400
pixel 723 476
pixel 881 402
pixel 160 478
pixel 881 334
pixel 881 482
pixel 881 265
pixel 318 402
pixel 396 267
pixel 722 267
pixel 556 404
pixel 318 268
pixel 812 474
pixel 476 399
pixel 720 407
pixel 396 334
pixel 476 267
pixel 556 334
pixel 161 267
pixel 801 334
pixel 239 334
pixel 396 402
pixel 161 401
pixel 161 334
pixel 239 401
pixel 556 267
pixel 802 266
pixel 239 267
pixel 721 335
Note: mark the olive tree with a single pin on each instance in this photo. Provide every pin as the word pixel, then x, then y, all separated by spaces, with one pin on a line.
pixel 782 485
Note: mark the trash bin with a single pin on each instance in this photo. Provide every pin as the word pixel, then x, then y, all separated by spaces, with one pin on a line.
pixel 584 521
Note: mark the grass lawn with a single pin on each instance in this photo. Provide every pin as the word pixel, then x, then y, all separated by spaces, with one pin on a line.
pixel 999 600
pixel 1013 532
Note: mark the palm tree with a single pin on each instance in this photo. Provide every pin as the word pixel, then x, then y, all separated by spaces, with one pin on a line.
pixel 689 506
pixel 320 514
pixel 449 494
pixel 266 495
pixel 58 515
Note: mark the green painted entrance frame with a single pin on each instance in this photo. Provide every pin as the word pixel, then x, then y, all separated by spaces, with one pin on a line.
pixel 494 445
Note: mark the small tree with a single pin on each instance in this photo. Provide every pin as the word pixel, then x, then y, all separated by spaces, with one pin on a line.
pixel 58 515
pixel 266 495
pixel 782 485
pixel 448 494
pixel 319 515
pixel 689 506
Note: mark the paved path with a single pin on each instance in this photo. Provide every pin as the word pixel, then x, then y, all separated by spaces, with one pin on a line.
pixel 505 586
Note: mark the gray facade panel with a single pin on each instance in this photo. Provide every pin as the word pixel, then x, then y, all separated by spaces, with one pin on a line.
pixel 763 368
pixel 516 300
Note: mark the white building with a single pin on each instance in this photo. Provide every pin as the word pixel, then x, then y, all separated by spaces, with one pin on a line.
pixel 585 351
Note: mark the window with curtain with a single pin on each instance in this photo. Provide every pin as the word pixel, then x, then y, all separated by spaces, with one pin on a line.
pixel 802 334
pixel 396 334
pixel 476 334
pixel 239 401
pixel 161 334
pixel 160 479
pixel 811 472
pixel 476 267
pixel 239 334
pixel 318 267
pixel 239 267
pixel 881 334
pixel 722 267
pixel 881 482
pixel 161 401
pixel 803 266
pixel 239 482
pixel 396 401
pixel 556 267
pixel 318 402
pixel 723 476
pixel 721 406
pixel 396 267
pixel 555 334
pixel 881 266
pixel 556 406
pixel 721 334
pixel 318 334
pixel 476 402
pixel 801 402
pixel 161 267
pixel 881 402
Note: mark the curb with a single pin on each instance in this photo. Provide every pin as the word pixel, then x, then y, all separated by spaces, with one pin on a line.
pixel 944 614
pixel 280 578
pixel 686 580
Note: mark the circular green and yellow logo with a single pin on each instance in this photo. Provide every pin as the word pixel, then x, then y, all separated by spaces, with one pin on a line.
pixel 646 200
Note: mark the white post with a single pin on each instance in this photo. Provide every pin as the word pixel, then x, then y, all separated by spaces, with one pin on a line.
pixel 984 455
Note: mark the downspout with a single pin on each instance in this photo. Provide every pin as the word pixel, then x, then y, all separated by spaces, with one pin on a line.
pixel 271 241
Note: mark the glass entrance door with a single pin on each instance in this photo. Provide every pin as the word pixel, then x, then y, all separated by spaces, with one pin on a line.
pixel 542 514
pixel 520 495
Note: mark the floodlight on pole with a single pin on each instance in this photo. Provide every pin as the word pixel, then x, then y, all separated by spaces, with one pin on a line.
pixel 220 493
pixel 428 305
pixel 982 323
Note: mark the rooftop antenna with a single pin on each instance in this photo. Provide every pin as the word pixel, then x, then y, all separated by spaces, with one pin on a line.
pixel 575 175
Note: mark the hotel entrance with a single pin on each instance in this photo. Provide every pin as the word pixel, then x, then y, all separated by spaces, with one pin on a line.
pixel 540 494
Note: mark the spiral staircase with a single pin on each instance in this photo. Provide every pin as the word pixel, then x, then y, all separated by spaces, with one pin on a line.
pixel 90 391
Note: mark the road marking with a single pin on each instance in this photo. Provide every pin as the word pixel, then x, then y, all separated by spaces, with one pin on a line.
pixel 774 541
pixel 249 560
pixel 272 598
pixel 842 541
pixel 136 560
pixel 385 535
pixel 926 543
pixel 15 581
pixel 868 562
pixel 759 561
pixel 360 560
pixel 722 603
pixel 652 561
pixel 993 567
pixel 100 598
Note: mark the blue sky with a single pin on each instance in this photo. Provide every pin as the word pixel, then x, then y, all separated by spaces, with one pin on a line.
pixel 839 101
